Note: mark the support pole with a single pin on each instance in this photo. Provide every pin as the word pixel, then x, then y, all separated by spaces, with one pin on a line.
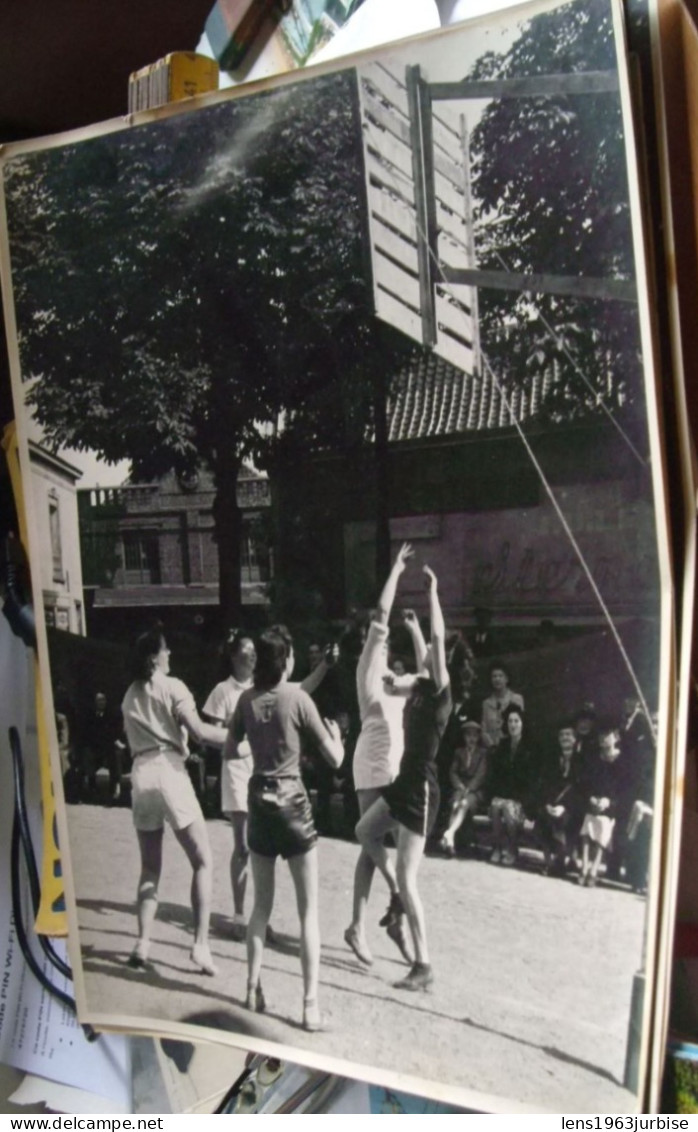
pixel 419 105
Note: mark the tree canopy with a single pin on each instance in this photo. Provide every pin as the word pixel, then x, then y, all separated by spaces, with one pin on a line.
pixel 185 280
pixel 551 184
pixel 196 289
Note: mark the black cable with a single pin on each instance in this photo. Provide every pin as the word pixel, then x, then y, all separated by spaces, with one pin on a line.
pixel 18 917
pixel 28 850
pixel 18 842
pixel 233 1091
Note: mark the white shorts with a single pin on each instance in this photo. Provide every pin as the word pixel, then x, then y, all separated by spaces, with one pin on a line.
pixel 235 779
pixel 162 791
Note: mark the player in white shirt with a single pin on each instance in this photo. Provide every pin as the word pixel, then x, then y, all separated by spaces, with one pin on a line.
pixel 376 763
pixel 159 711
pixel 235 773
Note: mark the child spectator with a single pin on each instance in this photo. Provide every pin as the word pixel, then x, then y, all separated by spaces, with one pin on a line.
pixel 602 785
pixel 467 776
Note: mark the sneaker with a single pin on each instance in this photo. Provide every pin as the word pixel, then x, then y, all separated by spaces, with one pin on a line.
pixel 354 941
pixel 395 909
pixel 313 1022
pixel 138 959
pixel 420 978
pixel 509 857
pixel 446 847
pixel 255 1000
pixel 396 932
pixel 496 856
pixel 203 961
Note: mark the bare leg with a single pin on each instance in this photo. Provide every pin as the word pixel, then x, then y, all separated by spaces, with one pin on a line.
pixel 113 761
pixel 263 879
pixel 194 840
pixel 363 878
pixel 304 872
pixel 239 861
pixel 150 844
pixel 497 834
pixel 459 811
pixel 511 837
pixel 371 830
pixel 471 808
pixel 596 861
pixel 410 850
pixel 585 859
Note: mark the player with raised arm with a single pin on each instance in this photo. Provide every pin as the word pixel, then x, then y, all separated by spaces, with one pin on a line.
pixel 376 763
pixel 412 800
pixel 276 716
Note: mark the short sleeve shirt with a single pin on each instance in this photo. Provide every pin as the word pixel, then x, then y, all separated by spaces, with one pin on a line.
pixel 380 744
pixel 152 714
pixel 221 704
pixel 275 722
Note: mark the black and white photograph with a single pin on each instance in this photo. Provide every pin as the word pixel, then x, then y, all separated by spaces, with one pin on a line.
pixel 339 426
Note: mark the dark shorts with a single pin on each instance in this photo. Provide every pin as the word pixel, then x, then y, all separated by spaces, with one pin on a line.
pixel 280 818
pixel 413 803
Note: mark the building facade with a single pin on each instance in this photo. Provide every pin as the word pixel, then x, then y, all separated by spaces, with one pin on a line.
pixel 54 495
pixel 150 548
pixel 521 541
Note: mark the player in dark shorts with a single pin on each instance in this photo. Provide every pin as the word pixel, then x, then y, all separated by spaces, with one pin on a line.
pixel 413 798
pixel 276 717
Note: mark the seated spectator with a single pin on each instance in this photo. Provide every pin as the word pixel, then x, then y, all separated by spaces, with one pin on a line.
pixel 467 774
pixel 601 785
pixel 100 746
pixel 495 705
pixel 639 836
pixel 559 803
pixel 638 752
pixel 586 730
pixel 508 786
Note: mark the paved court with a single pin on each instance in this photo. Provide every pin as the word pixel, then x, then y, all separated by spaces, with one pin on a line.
pixel 533 975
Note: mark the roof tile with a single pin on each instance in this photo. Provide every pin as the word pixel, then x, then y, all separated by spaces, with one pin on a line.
pixel 432 398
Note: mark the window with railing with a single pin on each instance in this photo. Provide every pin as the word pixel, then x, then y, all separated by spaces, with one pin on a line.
pixel 140 556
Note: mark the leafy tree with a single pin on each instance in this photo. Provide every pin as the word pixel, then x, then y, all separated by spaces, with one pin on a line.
pixel 549 175
pixel 195 290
